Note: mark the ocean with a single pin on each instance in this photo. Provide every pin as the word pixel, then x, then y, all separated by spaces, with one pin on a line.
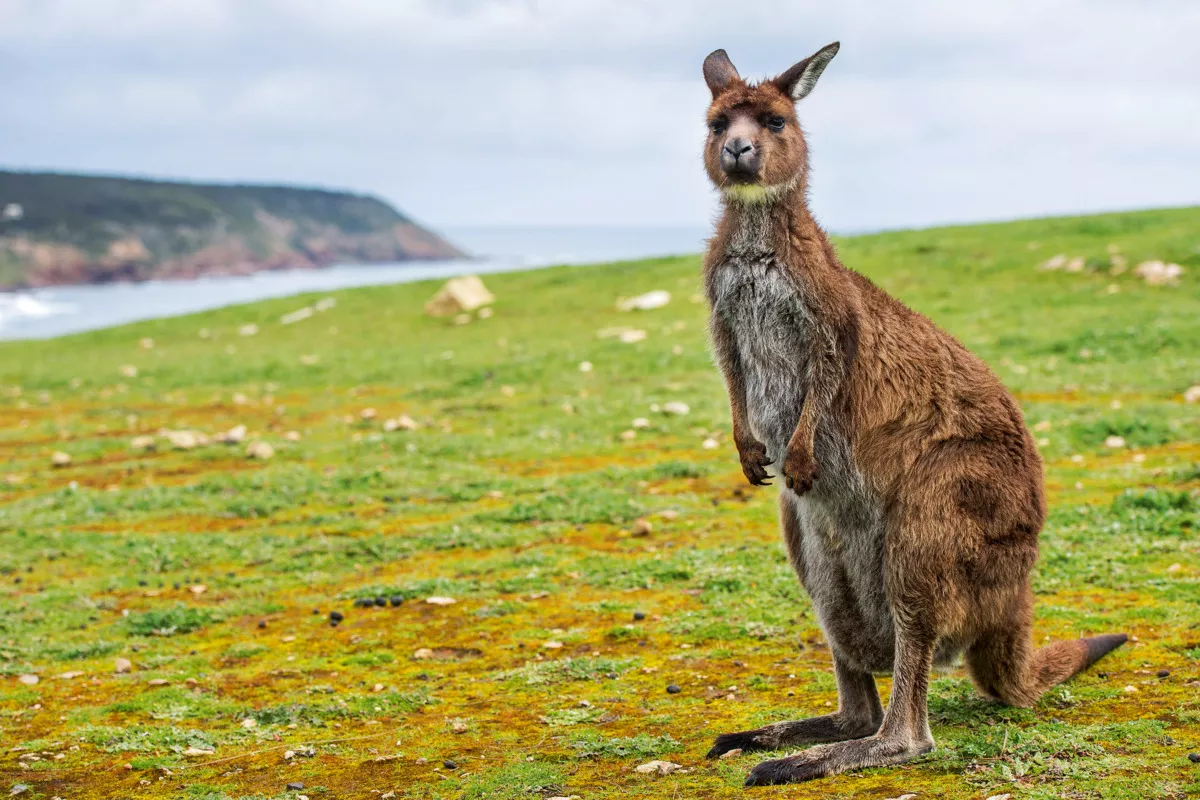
pixel 59 310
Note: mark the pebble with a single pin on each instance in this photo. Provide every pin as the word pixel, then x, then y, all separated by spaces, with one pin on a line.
pixel 673 688
pixel 29 680
pixel 638 616
pixel 448 764
pixel 675 407
pixel 642 527
pixel 260 450
pixel 60 459
pixel 295 787
pixel 440 601
pixel 123 665
pixel 657 768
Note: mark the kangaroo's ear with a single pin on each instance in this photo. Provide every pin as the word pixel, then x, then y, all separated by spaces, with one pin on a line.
pixel 798 81
pixel 719 72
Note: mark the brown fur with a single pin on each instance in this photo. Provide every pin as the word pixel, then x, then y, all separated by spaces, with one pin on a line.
pixel 929 430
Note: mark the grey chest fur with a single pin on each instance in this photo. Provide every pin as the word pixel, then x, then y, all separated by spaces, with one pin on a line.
pixel 841 519
pixel 772 330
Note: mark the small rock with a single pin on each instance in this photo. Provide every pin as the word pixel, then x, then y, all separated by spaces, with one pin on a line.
pixel 198 751
pixel 640 422
pixel 585 366
pixel 657 768
pixel 380 602
pixel 295 786
pixel 234 435
pixel 122 665
pixel 142 442
pixel 734 753
pixel 673 688
pixel 1164 673
pixel 1115 442
pixel 260 450
pixel 645 302
pixel 423 654
pixel 29 680
pixel 158 682
pixel 198 589
pixel 631 336
pixel 128 370
pixel 676 407
pixel 440 601
pixel 69 676
pixel 1194 758
pixel 368 413
pixel 60 459
pixel 710 444
pixel 638 616
pixel 552 645
pixel 448 764
pixel 250 722
pixel 1176 567
pixel 457 295
pixel 642 527
pixel 458 726
pixel 485 313
pixel 1158 273
pixel 628 435
pixel 396 600
pixel 288 755
pixel 18 788
pixel 248 330
pixel 377 687
pixel 182 440
pixel 1192 395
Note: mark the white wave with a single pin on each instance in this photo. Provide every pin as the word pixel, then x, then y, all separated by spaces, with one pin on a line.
pixel 21 305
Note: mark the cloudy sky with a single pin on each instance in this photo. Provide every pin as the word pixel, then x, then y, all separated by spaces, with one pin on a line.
pixel 590 112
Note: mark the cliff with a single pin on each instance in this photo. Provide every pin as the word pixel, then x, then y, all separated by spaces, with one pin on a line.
pixel 65 229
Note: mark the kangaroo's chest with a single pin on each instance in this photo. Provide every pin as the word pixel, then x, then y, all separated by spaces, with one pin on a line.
pixel 773 329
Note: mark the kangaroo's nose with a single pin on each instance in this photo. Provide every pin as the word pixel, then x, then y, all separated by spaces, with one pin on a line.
pixel 737 148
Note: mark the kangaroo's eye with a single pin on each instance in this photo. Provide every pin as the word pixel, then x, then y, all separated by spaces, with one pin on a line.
pixel 776 123
pixel 718 126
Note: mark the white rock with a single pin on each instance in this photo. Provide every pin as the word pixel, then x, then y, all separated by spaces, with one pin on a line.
pixel 296 316
pixel 1114 442
pixel 1192 395
pixel 1057 262
pixel 60 459
pixel 458 295
pixel 260 450
pixel 657 768
pixel 710 444
pixel 368 413
pixel 197 751
pixel 676 407
pixel 129 370
pixel 1158 273
pixel 645 302
pixel 142 442
pixel 552 645
pixel 423 654
pixel 122 665
pixel 68 676
pixel 440 601
pixel 632 335
pixel 249 722
pixel 183 440
pixel 234 435
pixel 248 330
pixel 640 422
pixel 28 680
pixel 585 366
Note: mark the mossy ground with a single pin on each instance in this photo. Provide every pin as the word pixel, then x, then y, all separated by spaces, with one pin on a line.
pixel 518 498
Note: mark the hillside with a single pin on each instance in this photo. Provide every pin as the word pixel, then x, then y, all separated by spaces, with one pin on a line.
pixel 165 599
pixel 65 229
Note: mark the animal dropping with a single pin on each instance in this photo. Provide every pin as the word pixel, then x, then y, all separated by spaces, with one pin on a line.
pixel 880 428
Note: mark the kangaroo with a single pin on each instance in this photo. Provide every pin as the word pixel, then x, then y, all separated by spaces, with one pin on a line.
pixel 912 492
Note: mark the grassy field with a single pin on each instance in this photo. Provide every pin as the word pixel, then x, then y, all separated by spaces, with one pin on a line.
pixel 173 602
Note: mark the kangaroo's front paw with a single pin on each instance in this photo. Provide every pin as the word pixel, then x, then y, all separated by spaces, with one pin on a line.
pixel 799 470
pixel 753 455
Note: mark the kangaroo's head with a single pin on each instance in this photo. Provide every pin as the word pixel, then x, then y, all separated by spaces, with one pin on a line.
pixel 755 149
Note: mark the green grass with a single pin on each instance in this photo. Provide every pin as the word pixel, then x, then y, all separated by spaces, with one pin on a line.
pixel 519 497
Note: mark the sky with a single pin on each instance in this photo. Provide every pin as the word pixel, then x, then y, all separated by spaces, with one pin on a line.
pixel 591 112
